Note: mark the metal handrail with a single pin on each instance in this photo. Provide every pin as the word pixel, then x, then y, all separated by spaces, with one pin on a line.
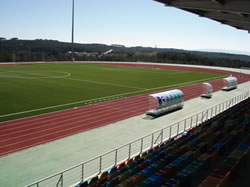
pixel 204 116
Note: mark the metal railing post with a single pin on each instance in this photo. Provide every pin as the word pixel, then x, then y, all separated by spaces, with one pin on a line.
pixel 100 167
pixel 60 180
pixel 141 145
pixel 191 122
pixel 129 151
pixel 202 116
pixel 170 132
pixel 116 153
pixel 178 126
pixel 161 136
pixel 185 124
pixel 229 103
pixel 82 172
pixel 152 140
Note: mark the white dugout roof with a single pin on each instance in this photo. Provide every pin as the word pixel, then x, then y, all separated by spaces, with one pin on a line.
pixel 168 98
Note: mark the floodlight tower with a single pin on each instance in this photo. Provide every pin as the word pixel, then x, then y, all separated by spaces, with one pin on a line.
pixel 72 42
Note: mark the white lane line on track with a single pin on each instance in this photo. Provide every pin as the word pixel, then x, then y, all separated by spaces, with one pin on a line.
pixel 62 128
pixel 69 123
pixel 54 132
pixel 122 94
pixel 73 115
pixel 43 142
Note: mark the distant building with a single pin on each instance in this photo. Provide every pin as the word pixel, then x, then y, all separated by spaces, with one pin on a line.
pixel 117 45
pixel 83 53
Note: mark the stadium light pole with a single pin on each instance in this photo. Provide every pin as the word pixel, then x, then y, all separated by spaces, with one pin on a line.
pixel 72 42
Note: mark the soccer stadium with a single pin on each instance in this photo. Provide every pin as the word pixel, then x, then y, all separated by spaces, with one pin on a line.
pixel 125 124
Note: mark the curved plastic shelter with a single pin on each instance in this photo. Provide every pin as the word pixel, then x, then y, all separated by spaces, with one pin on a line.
pixel 165 101
pixel 207 90
pixel 230 83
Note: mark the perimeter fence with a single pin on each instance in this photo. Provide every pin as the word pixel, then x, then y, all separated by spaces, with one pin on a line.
pixel 99 164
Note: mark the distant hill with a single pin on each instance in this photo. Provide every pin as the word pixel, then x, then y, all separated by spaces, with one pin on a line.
pixel 51 50
pixel 223 55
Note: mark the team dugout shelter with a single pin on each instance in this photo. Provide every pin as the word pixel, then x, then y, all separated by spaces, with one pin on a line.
pixel 164 102
pixel 207 90
pixel 230 83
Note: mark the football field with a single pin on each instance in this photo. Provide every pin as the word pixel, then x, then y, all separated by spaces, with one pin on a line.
pixel 33 89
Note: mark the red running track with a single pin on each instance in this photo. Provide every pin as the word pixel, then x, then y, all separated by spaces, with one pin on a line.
pixel 20 134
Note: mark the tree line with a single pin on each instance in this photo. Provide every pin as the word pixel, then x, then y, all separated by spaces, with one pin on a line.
pixel 15 50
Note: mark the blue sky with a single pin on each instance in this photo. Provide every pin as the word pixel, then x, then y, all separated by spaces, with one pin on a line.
pixel 128 22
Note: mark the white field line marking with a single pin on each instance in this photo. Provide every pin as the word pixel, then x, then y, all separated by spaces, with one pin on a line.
pixel 35 73
pixel 151 70
pixel 110 84
pixel 122 94
pixel 65 74
pixel 30 73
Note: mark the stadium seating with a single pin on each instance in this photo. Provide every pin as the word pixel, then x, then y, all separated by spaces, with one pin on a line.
pixel 212 154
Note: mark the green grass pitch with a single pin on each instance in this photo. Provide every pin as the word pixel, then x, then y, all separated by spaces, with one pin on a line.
pixel 34 89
